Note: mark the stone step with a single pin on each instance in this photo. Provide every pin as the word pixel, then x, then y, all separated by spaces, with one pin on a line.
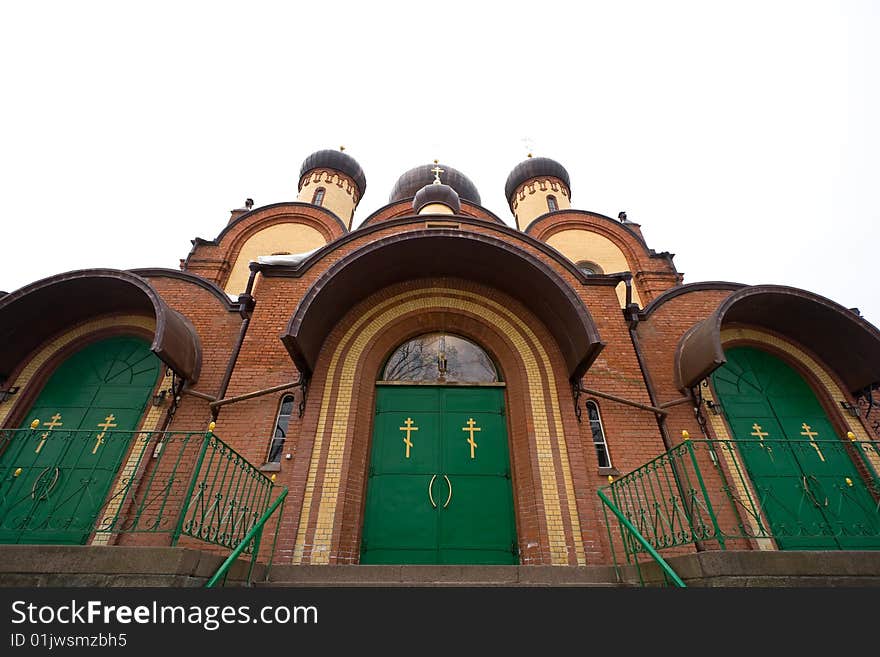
pixel 356 575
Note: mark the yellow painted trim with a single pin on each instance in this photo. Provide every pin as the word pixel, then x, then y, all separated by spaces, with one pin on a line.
pixel 359 336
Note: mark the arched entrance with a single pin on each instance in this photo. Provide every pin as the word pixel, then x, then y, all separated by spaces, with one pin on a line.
pixel 807 485
pixel 54 480
pixel 439 484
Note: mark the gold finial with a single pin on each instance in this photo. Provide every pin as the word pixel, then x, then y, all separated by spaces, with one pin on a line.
pixel 342 148
pixel 850 435
pixel 273 478
pixel 685 435
pixel 437 171
pixel 17 472
pixel 211 427
pixel 529 155
pixel 35 424
pixel 848 481
pixel 610 479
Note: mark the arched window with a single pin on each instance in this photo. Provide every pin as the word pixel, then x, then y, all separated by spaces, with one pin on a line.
pixel 589 268
pixel 276 446
pixel 440 358
pixel 552 205
pixel 598 435
pixel 318 198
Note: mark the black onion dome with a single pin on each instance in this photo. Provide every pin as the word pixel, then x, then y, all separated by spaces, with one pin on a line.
pixel 534 167
pixel 437 194
pixel 413 180
pixel 338 161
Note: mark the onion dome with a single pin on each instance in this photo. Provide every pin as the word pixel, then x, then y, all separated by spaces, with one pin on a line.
pixel 437 193
pixel 337 161
pixel 415 179
pixel 535 167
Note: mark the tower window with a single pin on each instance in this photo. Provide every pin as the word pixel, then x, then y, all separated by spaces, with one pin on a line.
pixel 318 198
pixel 589 268
pixel 281 423
pixel 552 205
pixel 598 435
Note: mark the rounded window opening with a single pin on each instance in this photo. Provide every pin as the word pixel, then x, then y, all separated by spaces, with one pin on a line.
pixel 552 205
pixel 318 198
pixel 589 268
pixel 440 358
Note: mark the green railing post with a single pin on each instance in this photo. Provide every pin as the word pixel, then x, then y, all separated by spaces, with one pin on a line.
pixel 178 530
pixel 258 527
pixel 664 567
pixel 719 536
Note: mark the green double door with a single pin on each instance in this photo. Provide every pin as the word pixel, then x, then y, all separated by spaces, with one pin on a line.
pixel 55 479
pixel 805 479
pixel 439 487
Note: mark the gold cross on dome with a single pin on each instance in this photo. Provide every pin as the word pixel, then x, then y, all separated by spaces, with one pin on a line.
pixel 107 424
pixel 809 433
pixel 409 428
pixel 437 171
pixel 471 428
pixel 56 422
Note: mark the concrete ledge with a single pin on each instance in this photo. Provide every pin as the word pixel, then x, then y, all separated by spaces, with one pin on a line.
pixel 354 575
pixel 768 568
pixel 86 565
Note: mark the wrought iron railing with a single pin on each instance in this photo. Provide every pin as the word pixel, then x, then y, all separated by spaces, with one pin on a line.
pixel 251 542
pixel 68 486
pixel 669 575
pixel 755 494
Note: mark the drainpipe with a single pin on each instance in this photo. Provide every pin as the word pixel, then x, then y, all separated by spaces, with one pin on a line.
pixel 246 303
pixel 631 313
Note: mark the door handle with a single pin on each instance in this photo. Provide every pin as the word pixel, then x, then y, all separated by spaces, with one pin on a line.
pixel 430 494
pixel 448 483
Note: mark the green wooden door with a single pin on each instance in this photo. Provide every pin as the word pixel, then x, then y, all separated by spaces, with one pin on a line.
pixel 439 488
pixel 810 491
pixel 64 476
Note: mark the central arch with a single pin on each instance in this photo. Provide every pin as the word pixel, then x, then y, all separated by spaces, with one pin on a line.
pixel 439 486
pixel 334 458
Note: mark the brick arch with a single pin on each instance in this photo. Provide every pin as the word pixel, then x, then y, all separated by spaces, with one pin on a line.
pixel 545 450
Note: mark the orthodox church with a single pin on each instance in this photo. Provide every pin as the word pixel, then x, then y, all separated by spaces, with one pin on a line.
pixel 434 387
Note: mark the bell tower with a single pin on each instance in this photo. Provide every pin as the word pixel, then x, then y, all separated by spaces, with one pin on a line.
pixel 333 180
pixel 535 187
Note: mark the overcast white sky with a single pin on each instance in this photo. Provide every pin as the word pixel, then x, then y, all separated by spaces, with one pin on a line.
pixel 743 136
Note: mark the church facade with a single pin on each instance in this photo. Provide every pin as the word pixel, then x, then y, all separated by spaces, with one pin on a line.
pixel 436 387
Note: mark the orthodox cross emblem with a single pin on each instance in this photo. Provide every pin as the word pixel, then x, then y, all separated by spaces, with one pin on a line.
pixel 809 433
pixel 471 428
pixel 409 428
pixel 760 434
pixel 56 422
pixel 106 424
pixel 437 171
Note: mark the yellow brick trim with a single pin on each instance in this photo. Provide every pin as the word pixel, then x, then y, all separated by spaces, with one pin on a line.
pixel 822 375
pixel 142 442
pixel 742 483
pixel 500 317
pixel 58 343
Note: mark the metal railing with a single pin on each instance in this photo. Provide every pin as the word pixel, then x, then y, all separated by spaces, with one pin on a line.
pixel 752 494
pixel 633 535
pixel 65 486
pixel 252 541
